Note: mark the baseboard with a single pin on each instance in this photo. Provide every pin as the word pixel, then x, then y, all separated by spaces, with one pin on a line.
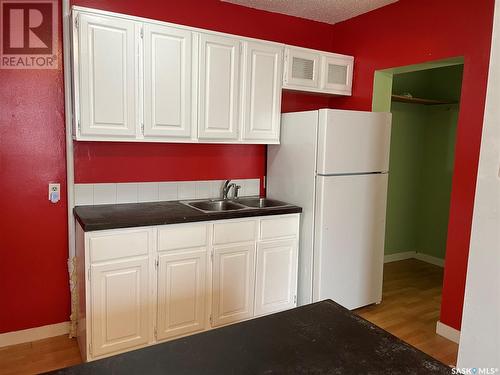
pixel 33 334
pixel 413 255
pixel 399 256
pixel 430 259
pixel 448 332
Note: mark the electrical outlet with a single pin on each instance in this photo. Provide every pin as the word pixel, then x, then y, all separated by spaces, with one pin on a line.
pixel 54 192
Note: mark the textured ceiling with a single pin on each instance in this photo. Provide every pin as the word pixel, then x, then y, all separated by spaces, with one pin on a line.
pixel 329 11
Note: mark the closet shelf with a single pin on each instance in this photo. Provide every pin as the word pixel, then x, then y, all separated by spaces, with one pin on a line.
pixel 406 99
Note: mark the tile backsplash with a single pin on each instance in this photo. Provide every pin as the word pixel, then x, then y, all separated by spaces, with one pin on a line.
pixel 134 192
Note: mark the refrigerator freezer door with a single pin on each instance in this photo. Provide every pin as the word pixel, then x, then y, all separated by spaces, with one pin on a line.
pixel 349 241
pixel 353 142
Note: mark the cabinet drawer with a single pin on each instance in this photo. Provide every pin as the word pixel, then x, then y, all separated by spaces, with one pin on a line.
pixel 182 236
pixel 119 244
pixel 239 231
pixel 277 227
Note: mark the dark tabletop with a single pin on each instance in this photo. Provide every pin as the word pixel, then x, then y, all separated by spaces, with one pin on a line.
pixel 112 216
pixel 321 338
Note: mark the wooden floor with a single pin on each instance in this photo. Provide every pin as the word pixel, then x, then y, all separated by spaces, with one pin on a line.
pixel 39 356
pixel 410 307
pixel 410 310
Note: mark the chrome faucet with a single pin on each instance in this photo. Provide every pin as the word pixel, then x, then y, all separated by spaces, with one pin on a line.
pixel 227 187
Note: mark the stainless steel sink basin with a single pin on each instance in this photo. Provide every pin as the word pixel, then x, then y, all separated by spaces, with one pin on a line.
pixel 215 206
pixel 219 205
pixel 261 202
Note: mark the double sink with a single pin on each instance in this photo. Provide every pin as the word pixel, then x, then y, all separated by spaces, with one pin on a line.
pixel 218 205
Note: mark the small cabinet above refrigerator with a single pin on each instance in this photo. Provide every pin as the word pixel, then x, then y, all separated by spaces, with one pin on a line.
pixel 317 71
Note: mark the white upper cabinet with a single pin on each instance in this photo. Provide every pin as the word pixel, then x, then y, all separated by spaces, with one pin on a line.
pixel 302 68
pixel 167 81
pixel 317 71
pixel 140 80
pixel 219 87
pixel 261 104
pixel 108 76
pixel 336 74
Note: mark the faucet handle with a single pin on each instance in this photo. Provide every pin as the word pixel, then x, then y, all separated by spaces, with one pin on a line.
pixel 236 189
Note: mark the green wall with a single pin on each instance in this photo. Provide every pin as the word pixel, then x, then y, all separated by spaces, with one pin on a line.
pixel 405 169
pixel 421 162
pixel 437 172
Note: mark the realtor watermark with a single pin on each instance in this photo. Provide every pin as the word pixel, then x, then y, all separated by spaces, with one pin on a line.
pixel 475 371
pixel 28 34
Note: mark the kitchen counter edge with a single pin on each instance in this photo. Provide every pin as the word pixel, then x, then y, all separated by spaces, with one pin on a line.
pixel 129 215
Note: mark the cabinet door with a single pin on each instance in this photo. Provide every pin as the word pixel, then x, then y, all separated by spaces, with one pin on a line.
pixel 181 293
pixel 233 283
pixel 337 74
pixel 167 81
pixel 276 276
pixel 108 76
pixel 218 87
pixel 302 68
pixel 261 107
pixel 120 305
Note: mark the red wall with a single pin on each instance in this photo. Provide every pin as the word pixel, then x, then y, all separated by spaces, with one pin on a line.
pixel 120 162
pixel 410 32
pixel 130 162
pixel 33 232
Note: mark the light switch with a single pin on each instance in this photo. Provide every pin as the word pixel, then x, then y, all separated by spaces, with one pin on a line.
pixel 54 192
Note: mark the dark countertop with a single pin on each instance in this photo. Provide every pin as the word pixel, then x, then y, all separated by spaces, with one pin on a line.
pixel 321 338
pixel 113 216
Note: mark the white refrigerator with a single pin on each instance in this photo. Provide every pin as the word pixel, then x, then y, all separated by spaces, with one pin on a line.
pixel 335 164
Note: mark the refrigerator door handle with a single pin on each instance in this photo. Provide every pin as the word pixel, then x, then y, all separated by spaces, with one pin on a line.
pixel 351 174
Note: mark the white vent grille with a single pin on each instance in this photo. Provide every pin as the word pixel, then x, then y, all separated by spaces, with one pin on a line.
pixel 302 68
pixel 337 74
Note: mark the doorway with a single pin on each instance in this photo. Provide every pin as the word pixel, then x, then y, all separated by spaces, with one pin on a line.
pixel 424 102
pixel 424 108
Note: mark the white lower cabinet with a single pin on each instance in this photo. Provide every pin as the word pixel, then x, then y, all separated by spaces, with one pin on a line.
pixel 144 285
pixel 276 276
pixel 233 283
pixel 181 293
pixel 120 305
